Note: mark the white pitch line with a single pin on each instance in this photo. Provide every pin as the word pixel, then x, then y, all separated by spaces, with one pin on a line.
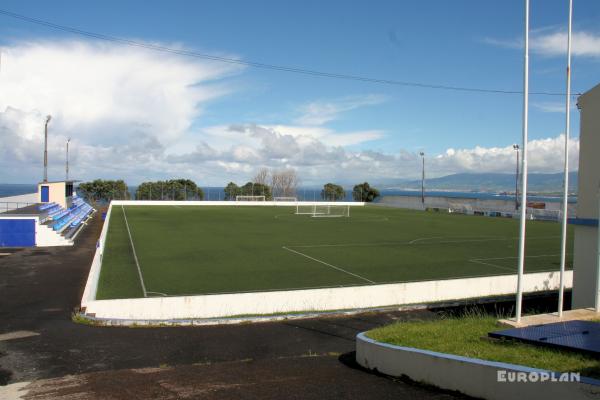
pixel 427 238
pixel 507 258
pixel 482 260
pixel 310 246
pixel 327 264
pixel 134 254
pixel 159 293
pixel 416 241
pixel 477 261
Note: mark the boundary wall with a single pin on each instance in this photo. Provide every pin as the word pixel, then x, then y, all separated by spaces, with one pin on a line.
pixel 473 377
pixel 473 204
pixel 233 203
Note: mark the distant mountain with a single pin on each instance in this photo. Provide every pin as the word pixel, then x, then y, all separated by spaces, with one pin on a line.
pixel 489 182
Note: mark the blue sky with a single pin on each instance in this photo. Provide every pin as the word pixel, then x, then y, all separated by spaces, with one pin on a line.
pixel 345 130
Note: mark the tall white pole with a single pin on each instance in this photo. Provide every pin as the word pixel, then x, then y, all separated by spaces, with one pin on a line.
pixel 523 169
pixel 563 244
pixel 67 166
pixel 423 179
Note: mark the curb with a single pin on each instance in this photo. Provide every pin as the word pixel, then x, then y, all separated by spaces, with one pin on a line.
pixel 470 376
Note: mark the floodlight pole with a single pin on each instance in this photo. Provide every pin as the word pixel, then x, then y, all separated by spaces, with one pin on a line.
pixel 48 118
pixel 422 178
pixel 563 244
pixel 523 220
pixel 67 166
pixel 516 147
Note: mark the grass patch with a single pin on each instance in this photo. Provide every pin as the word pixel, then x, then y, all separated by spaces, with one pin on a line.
pixel 81 319
pixel 204 250
pixel 462 336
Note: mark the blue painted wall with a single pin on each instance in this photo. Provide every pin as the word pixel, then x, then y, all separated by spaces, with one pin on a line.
pixel 17 232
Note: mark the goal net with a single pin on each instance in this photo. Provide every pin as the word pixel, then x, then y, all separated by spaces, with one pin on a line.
pixel 249 198
pixel 544 215
pixel 323 210
pixel 460 208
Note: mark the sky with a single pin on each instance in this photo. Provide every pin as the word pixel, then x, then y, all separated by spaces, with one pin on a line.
pixel 137 114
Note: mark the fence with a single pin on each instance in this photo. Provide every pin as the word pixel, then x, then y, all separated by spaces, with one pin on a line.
pixel 6 206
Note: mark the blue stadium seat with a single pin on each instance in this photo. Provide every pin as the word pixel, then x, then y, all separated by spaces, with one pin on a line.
pixel 73 216
pixel 46 206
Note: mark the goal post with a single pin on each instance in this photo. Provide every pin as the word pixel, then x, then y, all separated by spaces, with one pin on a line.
pixel 323 210
pixel 305 209
pixel 332 211
pixel 249 198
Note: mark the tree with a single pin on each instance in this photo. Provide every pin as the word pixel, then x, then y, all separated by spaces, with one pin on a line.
pixel 332 192
pixel 284 183
pixel 231 191
pixel 104 190
pixel 256 189
pixel 174 189
pixel 262 176
pixel 364 192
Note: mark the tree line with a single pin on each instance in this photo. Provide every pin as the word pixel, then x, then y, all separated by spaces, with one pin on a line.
pixel 268 183
pixel 361 192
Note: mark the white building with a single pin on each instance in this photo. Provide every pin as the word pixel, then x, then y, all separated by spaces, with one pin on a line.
pixel 585 269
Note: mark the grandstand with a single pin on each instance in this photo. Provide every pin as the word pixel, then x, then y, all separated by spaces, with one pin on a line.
pixel 55 220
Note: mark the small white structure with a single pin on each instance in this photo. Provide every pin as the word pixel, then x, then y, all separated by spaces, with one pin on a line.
pixel 586 274
pixel 59 192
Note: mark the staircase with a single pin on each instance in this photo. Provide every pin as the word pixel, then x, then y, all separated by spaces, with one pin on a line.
pixel 46 236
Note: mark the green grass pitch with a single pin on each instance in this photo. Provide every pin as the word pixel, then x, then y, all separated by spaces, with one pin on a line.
pixel 185 250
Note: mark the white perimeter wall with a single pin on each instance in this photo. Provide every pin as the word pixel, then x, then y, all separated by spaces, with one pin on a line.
pixel 228 305
pixel 233 203
pixel 325 299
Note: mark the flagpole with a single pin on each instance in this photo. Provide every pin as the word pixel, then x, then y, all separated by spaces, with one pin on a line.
pixel 563 245
pixel 523 169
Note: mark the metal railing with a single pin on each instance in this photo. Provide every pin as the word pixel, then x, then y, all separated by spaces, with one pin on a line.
pixel 6 206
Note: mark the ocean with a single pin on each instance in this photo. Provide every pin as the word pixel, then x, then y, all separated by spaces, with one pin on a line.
pixel 314 194
pixel 14 189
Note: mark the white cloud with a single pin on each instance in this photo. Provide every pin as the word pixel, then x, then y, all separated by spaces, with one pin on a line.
pixel 321 112
pixel 545 156
pixel 550 107
pixel 316 161
pixel 222 135
pixel 554 43
pixel 104 91
pixel 584 44
pixel 121 106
